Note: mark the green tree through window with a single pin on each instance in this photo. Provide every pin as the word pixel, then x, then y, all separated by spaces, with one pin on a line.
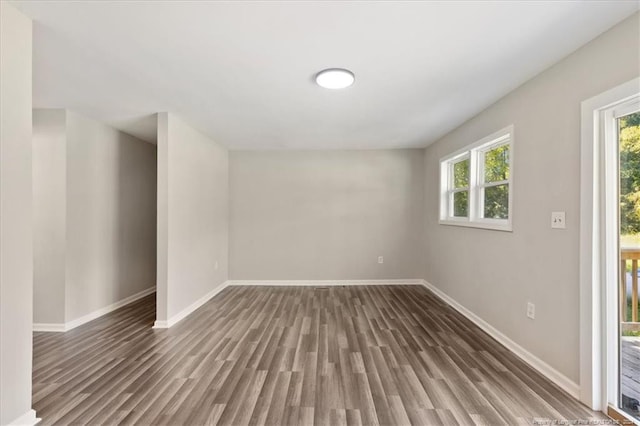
pixel 630 173
pixel 496 169
pixel 461 180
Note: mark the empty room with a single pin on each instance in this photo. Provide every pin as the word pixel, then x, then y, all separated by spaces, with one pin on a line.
pixel 319 212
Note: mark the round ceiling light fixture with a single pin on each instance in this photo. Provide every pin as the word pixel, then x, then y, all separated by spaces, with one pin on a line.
pixel 335 78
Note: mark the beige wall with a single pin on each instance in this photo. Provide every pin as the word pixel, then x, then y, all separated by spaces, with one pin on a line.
pixel 326 214
pixel 95 199
pixel 16 244
pixel 49 215
pixel 193 223
pixel 495 274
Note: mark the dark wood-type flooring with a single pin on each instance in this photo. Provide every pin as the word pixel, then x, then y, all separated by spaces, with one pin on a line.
pixel 292 355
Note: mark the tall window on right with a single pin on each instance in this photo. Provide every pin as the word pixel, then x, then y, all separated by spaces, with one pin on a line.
pixel 475 183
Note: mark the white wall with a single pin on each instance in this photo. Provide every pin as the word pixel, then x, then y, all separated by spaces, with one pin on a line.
pixel 494 274
pixel 326 214
pixel 95 194
pixel 111 215
pixel 162 220
pixel 49 215
pixel 193 223
pixel 16 244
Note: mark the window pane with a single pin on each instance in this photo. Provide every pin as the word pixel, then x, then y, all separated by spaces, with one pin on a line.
pixel 496 164
pixel 461 174
pixel 496 202
pixel 461 204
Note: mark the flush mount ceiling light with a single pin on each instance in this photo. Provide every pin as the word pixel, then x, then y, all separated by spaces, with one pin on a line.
pixel 335 78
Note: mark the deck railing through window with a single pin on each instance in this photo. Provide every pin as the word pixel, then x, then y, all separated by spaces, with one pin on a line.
pixel 629 255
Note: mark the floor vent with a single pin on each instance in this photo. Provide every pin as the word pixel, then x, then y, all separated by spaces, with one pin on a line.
pixel 321 288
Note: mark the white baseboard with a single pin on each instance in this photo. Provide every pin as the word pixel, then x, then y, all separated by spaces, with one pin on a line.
pixel 326 283
pixel 542 367
pixel 161 324
pixel 27 419
pixel 93 315
pixel 49 327
pixel 189 309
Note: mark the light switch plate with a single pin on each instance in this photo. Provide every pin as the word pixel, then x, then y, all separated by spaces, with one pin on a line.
pixel 558 220
pixel 531 310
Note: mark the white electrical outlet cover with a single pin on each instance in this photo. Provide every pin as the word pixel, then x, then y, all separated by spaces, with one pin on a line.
pixel 558 220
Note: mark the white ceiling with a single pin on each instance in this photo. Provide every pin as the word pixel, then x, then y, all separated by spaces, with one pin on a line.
pixel 242 72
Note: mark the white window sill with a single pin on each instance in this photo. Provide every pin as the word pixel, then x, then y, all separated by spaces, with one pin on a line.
pixel 505 227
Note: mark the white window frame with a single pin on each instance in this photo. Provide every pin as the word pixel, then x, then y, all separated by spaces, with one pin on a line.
pixel 475 153
pixel 450 191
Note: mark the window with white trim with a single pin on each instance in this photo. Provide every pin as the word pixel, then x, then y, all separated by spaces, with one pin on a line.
pixel 475 183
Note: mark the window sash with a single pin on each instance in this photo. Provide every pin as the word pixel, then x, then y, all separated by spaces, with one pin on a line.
pixel 481 199
pixel 451 185
pixel 482 156
pixel 452 200
pixel 496 183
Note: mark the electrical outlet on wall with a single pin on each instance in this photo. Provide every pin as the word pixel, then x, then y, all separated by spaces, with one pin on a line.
pixel 380 259
pixel 216 265
pixel 558 220
pixel 531 310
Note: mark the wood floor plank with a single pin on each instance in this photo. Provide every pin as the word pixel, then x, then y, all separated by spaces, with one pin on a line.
pixel 360 355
